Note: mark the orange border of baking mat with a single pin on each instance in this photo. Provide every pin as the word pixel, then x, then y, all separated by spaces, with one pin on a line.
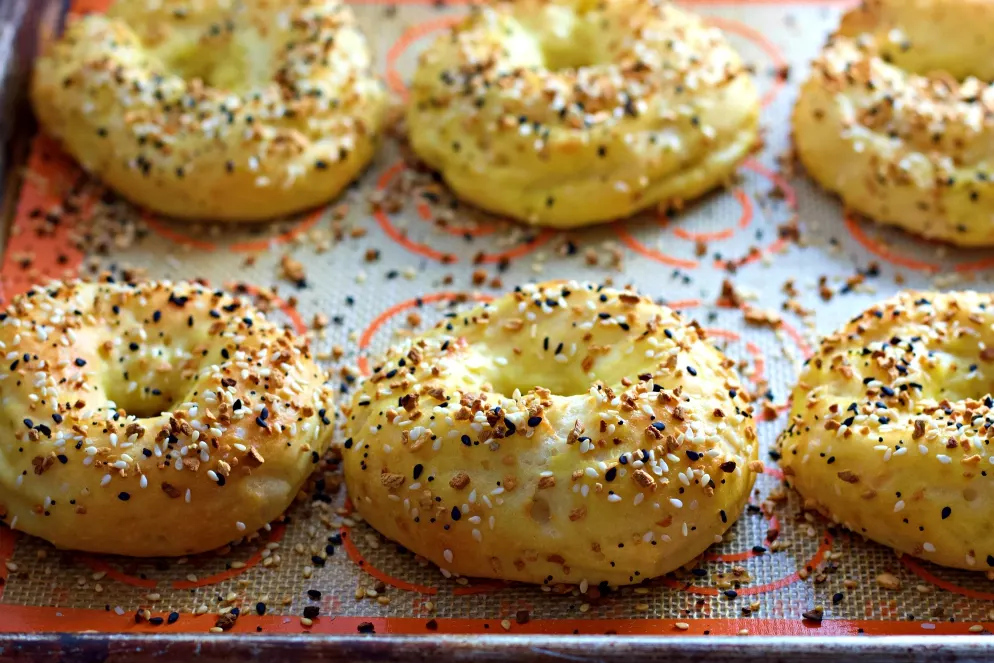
pixel 49 620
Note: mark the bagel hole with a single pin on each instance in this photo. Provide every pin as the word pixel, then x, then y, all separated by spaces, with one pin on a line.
pixel 560 384
pixel 141 406
pixel 240 64
pixel 222 73
pixel 563 59
pixel 566 38
pixel 540 511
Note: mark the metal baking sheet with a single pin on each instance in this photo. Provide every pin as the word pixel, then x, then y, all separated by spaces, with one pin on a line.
pixel 392 256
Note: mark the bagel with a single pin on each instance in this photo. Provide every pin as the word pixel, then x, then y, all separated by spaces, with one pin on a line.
pixel 227 110
pixel 152 419
pixel 564 113
pixel 896 117
pixel 565 433
pixel 891 424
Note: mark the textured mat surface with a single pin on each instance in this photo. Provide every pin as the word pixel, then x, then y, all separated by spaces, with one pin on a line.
pixel 394 255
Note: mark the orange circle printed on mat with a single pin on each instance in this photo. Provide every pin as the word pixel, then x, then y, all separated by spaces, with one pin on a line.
pixel 744 220
pixel 900 258
pixel 384 219
pixel 366 338
pixel 171 232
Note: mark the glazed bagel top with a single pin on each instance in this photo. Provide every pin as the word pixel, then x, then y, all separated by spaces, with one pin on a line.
pixel 152 419
pixel 892 422
pixel 564 112
pixel 227 110
pixel 898 116
pixel 564 433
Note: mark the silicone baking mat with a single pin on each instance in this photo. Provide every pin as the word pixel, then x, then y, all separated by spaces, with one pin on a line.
pixel 764 265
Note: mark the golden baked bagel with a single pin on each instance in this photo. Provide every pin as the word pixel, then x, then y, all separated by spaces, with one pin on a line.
pixel 569 112
pixel 230 110
pixel 891 423
pixel 152 419
pixel 565 433
pixel 897 117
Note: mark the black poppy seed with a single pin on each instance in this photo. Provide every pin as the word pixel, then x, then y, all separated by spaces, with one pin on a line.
pixel 80 362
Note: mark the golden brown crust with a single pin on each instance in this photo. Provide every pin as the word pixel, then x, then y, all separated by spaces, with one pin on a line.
pixel 152 419
pixel 891 424
pixel 897 117
pixel 232 111
pixel 564 433
pixel 565 113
